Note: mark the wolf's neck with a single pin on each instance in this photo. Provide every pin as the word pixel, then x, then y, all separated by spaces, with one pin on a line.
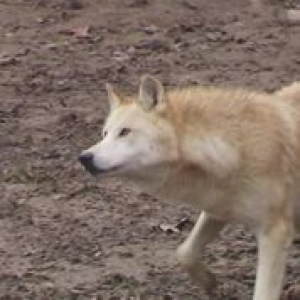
pixel 174 182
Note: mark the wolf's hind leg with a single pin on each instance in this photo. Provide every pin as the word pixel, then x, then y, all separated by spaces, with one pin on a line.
pixel 189 252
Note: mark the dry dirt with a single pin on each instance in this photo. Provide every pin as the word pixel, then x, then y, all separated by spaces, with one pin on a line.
pixel 65 235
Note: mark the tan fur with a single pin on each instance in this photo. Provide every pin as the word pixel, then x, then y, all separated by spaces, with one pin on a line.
pixel 248 137
pixel 235 157
pixel 260 164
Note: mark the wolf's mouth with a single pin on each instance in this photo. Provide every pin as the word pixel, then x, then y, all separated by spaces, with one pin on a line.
pixel 96 171
pixel 91 169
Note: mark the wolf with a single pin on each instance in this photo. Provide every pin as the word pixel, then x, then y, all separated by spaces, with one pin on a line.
pixel 233 154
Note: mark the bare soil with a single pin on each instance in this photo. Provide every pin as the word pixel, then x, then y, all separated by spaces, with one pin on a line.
pixel 65 235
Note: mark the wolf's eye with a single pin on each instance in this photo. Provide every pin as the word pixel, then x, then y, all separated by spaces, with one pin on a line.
pixel 124 131
pixel 104 134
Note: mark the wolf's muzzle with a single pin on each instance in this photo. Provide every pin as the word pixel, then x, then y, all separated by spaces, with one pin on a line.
pixel 87 160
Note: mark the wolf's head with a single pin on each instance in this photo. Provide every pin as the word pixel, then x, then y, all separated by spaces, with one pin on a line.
pixel 137 133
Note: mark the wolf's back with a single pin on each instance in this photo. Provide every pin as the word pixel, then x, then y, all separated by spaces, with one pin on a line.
pixel 290 93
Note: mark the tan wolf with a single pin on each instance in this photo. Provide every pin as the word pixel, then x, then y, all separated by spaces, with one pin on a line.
pixel 233 154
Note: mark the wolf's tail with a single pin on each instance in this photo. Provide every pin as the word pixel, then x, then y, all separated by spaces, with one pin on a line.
pixel 290 93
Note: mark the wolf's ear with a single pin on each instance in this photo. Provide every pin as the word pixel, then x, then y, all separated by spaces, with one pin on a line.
pixel 113 98
pixel 151 93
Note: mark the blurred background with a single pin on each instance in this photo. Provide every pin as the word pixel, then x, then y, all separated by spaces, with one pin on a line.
pixel 65 235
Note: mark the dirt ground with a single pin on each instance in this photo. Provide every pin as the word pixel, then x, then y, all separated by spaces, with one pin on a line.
pixel 65 235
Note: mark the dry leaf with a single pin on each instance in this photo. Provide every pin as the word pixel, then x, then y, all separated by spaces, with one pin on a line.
pixel 80 32
pixel 169 228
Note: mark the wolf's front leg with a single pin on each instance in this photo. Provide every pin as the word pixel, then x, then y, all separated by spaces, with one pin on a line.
pixel 273 244
pixel 189 252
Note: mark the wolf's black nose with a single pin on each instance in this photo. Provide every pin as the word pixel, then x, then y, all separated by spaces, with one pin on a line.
pixel 86 159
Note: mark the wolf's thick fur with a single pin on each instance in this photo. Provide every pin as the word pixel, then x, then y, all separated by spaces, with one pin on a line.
pixel 231 153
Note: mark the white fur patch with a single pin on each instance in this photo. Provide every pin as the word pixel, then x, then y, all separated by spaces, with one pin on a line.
pixel 213 154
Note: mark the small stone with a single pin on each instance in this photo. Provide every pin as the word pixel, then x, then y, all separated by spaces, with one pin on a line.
pixel 150 29
pixel 5 61
pixel 75 4
pixel 293 16
pixel 98 254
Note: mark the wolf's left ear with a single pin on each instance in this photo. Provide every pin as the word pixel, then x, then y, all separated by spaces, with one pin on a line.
pixel 151 93
pixel 113 98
